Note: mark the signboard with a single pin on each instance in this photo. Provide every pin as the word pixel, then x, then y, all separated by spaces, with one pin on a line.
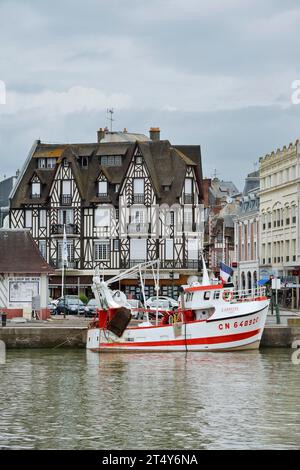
pixel 36 302
pixel 23 290
pixel 276 283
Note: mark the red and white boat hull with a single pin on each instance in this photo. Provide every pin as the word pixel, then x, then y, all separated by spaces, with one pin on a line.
pixel 233 327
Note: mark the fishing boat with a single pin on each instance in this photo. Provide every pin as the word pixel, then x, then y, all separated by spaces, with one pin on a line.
pixel 212 316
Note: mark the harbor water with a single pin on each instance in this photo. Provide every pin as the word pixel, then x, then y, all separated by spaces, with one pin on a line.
pixel 71 399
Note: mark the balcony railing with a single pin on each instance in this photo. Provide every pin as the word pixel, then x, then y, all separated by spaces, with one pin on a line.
pixel 188 198
pixel 66 199
pixel 131 263
pixel 58 264
pixel 103 196
pixel 35 196
pixel 58 229
pixel 138 228
pixel 138 198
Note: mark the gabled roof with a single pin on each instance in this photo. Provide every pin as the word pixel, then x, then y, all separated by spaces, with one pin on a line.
pixel 166 165
pixel 20 254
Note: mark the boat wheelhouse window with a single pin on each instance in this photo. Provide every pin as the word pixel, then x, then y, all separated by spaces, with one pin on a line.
pixel 206 295
pixel 216 295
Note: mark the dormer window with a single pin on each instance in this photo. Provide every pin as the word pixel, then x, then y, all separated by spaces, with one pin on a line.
pixel 51 162
pixel 102 188
pixel 166 188
pixel 84 162
pixel 111 160
pixel 41 163
pixel 35 190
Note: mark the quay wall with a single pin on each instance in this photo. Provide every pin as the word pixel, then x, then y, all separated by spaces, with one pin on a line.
pixel 43 337
pixel 75 337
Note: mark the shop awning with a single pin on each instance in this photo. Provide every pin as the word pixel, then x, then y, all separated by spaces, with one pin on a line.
pixel 263 281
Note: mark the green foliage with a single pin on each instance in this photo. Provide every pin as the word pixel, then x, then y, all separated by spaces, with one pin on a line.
pixel 83 298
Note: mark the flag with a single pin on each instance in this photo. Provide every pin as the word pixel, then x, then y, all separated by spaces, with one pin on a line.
pixel 225 272
pixel 65 248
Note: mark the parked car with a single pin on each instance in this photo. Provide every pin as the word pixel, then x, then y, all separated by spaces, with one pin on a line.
pixel 70 306
pixel 52 306
pixel 164 302
pixel 90 308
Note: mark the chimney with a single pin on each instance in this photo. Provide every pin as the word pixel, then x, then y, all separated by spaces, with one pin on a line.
pixel 100 134
pixel 154 133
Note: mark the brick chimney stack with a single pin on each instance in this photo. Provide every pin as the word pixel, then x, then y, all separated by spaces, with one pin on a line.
pixel 154 133
pixel 100 134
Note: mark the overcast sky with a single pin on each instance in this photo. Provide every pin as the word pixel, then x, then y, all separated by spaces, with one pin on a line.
pixel 217 73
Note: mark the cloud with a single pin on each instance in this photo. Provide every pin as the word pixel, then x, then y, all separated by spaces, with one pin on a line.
pixel 74 100
pixel 2 92
pixel 215 73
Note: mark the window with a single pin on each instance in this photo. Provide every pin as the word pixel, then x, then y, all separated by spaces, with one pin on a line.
pixel 102 217
pixel 193 249
pixel 138 186
pixel 188 191
pixel 102 252
pixel 117 187
pixel 65 216
pixel 188 219
pixel 169 249
pixel 66 188
pixel 138 190
pixel 138 217
pixel 36 190
pixel 138 159
pixel 42 248
pixel 43 218
pixel 138 249
pixel 28 218
pixel 102 188
pixel 70 250
pixel 84 162
pixel 111 160
pixel 41 163
pixel 65 162
pixel 166 188
pixel 116 245
pixel 51 162
pixel 188 186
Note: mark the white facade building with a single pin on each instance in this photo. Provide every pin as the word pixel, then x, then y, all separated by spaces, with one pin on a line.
pixel 279 225
pixel 246 237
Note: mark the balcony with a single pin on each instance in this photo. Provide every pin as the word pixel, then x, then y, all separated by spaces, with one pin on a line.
pixel 138 228
pixel 131 263
pixel 66 199
pixel 193 264
pixel 58 229
pixel 103 196
pixel 58 264
pixel 138 198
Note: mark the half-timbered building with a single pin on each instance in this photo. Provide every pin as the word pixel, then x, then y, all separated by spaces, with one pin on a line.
pixel 123 200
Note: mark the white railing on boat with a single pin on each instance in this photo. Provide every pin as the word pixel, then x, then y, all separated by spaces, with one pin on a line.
pixel 247 294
